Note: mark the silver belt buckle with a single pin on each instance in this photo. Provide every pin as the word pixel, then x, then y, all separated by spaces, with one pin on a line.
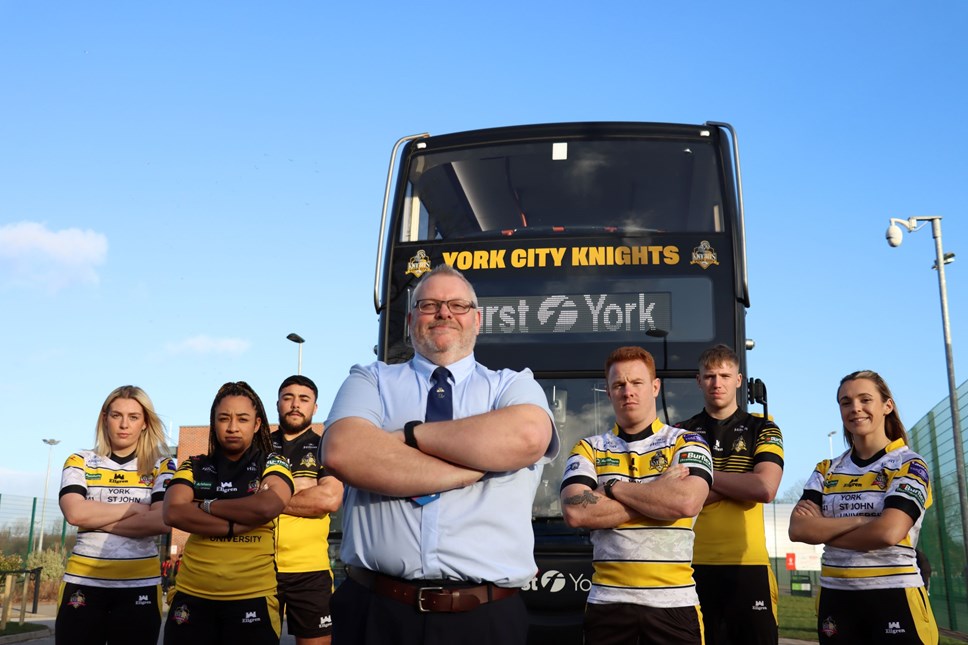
pixel 420 598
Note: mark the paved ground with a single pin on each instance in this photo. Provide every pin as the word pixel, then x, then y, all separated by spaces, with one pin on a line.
pixel 46 612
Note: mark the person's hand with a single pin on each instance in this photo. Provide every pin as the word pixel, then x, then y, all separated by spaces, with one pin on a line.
pixel 807 508
pixel 675 472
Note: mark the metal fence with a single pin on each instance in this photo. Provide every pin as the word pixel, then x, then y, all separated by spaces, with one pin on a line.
pixel 941 538
pixel 28 524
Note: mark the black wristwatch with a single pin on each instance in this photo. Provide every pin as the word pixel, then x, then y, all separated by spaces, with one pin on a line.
pixel 607 488
pixel 408 436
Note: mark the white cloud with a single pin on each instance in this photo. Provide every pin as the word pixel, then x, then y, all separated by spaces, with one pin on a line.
pixel 206 345
pixel 32 255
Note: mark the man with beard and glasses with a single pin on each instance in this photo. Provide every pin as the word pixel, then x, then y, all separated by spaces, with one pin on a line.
pixel 302 547
pixel 441 457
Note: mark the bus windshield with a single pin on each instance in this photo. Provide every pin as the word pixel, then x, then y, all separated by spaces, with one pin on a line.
pixel 568 187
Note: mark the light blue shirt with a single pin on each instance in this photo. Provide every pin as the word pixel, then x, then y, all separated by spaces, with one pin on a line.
pixel 478 533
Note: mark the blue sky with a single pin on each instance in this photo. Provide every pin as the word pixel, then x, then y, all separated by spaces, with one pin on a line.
pixel 183 184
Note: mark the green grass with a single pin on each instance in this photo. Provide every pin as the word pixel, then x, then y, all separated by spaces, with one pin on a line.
pixel 14 627
pixel 799 620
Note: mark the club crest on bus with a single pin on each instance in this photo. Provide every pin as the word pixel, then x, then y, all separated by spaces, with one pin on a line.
pixel 704 255
pixel 418 264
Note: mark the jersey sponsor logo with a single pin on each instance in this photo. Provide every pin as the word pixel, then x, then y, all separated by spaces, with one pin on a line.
pixel 854 483
pixel 575 465
pixel 119 478
pixel 704 255
pixel 181 614
pixel 226 487
pixel 773 441
pixel 606 461
pixel 692 437
pixel 913 492
pixel 208 469
pixel 894 627
pixel 717 446
pixel 828 626
pixel 253 485
pixel 274 460
pixel 918 469
pixel 240 539
pixel 251 617
pixel 659 462
pixel 325 621
pixel 830 484
pixel 418 264
pixel 203 485
pixel 92 476
pixel 695 457
pixel 740 428
pixel 759 605
pixel 142 600
pixel 77 599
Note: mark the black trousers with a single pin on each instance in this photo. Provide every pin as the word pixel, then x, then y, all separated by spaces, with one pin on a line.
pixel 361 617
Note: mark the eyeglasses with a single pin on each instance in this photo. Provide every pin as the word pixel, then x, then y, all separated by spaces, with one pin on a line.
pixel 457 307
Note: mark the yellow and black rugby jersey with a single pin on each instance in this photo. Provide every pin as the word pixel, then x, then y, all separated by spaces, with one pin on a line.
pixel 302 543
pixel 243 566
pixel 896 477
pixel 732 531
pixel 647 562
pixel 101 559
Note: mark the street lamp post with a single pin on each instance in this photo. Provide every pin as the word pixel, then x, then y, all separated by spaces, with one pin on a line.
pixel 830 440
pixel 299 340
pixel 894 238
pixel 43 502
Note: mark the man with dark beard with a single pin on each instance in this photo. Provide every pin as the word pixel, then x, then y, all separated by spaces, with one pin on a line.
pixel 302 547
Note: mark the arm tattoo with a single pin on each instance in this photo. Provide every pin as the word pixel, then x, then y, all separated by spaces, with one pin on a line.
pixel 584 499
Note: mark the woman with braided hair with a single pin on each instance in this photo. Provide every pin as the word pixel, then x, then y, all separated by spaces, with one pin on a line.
pixel 228 500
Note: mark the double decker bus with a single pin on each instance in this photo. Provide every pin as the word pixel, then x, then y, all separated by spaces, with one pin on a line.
pixel 578 238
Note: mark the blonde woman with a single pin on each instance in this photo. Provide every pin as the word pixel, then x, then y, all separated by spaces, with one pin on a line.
pixel 866 506
pixel 113 494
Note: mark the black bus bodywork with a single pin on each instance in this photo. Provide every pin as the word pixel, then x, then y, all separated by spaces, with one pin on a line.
pixel 578 238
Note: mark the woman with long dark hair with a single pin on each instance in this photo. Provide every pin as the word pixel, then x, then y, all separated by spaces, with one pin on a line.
pixel 866 506
pixel 228 499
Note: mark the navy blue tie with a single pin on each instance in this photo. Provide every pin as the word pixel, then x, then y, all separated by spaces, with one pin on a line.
pixel 440 399
pixel 440 407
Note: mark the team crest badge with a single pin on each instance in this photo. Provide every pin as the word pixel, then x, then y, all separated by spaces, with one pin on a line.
pixel 704 255
pixel 659 462
pixel 77 599
pixel 181 614
pixel 418 264
pixel 829 627
pixel 881 480
pixel 739 445
pixel 308 461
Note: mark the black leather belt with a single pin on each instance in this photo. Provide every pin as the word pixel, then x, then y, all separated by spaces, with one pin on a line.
pixel 426 597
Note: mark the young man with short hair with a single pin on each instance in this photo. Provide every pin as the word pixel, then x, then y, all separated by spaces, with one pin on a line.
pixel 737 589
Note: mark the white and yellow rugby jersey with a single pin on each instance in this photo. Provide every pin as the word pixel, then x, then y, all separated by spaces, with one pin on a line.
pixel 647 562
pixel 302 543
pixel 731 531
pixel 896 477
pixel 101 559
pixel 242 566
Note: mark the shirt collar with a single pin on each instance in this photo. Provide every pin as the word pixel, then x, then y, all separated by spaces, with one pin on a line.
pixel 459 370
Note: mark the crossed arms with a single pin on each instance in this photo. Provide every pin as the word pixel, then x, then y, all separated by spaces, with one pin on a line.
pixel 451 454
pixel 673 495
